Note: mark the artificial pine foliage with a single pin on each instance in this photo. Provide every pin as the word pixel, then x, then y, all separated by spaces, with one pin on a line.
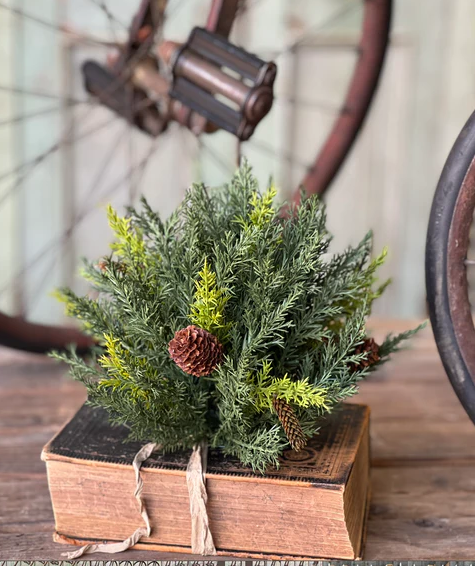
pixel 279 327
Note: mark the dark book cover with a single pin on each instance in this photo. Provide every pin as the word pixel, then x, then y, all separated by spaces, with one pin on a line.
pixel 327 458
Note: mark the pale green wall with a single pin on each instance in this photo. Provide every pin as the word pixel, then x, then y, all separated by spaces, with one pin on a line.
pixel 7 212
pixel 427 92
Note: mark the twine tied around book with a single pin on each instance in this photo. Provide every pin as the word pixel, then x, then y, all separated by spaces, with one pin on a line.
pixel 201 537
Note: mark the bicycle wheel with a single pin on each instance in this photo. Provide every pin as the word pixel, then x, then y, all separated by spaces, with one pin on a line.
pixel 96 132
pixel 450 264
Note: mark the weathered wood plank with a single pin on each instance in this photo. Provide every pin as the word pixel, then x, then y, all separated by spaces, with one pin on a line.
pixel 425 513
pixel 423 447
pixel 38 546
pixel 30 510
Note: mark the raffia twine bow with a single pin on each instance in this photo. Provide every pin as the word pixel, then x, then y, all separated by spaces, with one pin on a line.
pixel 201 537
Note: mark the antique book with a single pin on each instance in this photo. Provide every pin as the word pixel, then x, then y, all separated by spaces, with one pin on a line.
pixel 313 506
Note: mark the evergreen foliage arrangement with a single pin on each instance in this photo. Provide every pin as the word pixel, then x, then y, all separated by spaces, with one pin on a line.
pixel 228 322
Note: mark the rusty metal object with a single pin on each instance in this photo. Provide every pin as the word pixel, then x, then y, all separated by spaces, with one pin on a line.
pixel 458 244
pixel 372 49
pixel 448 239
pixel 166 51
pixel 126 100
pixel 20 334
pixel 204 80
pixel 221 16
pixel 210 78
pixel 145 24
pixel 143 77
pixel 132 74
pixel 146 77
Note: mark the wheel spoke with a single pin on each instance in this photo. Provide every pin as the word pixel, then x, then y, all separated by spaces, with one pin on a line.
pixel 25 169
pixel 30 17
pixel 320 105
pixel 142 167
pixel 82 215
pixel 29 165
pixel 18 90
pixel 110 16
pixel 24 117
pixel 36 293
pixel 238 153
pixel 172 11
pixel 58 28
pixel 273 152
pixel 103 169
pixel 68 233
pixel 130 149
pixel 319 26
pixel 226 167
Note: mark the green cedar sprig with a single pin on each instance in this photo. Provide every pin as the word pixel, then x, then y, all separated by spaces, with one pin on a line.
pixel 289 316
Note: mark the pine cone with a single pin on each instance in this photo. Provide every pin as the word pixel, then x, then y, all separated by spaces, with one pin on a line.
pixel 104 263
pixel 290 424
pixel 371 348
pixel 195 350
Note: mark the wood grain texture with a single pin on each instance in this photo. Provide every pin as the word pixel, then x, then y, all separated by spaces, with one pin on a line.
pixel 423 495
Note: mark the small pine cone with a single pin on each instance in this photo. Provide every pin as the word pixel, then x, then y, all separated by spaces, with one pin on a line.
pixel 371 348
pixel 195 350
pixel 290 424
pixel 104 263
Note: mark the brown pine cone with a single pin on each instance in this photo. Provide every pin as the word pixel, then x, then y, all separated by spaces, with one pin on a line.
pixel 290 424
pixel 371 348
pixel 195 350
pixel 104 263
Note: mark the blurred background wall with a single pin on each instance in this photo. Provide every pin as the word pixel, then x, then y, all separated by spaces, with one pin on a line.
pixel 426 94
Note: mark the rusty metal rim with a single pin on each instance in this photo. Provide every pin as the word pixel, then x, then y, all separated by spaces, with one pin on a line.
pixel 446 279
pixel 372 49
pixel 457 282
pixel 19 334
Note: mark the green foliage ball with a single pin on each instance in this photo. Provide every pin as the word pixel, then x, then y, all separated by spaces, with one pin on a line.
pixel 290 319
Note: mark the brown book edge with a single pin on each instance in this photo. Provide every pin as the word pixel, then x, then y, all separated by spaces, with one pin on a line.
pixel 368 496
pixel 361 468
pixel 365 524
pixel 153 547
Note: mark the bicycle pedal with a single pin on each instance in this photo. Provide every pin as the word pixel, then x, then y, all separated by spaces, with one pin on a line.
pixel 225 84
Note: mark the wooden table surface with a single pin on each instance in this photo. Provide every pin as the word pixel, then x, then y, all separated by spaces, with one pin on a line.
pixel 423 451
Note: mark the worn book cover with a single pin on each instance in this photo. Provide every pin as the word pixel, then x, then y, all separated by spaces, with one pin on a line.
pixel 313 506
